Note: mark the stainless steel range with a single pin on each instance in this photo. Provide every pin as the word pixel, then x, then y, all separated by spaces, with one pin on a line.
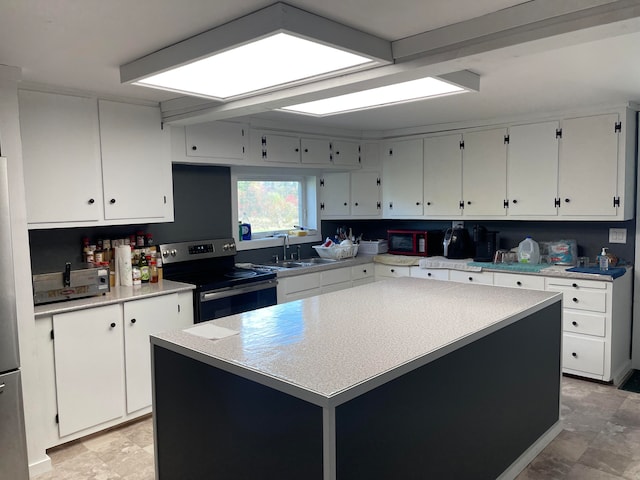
pixel 221 288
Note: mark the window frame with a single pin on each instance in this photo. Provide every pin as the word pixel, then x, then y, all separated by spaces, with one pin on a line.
pixel 310 210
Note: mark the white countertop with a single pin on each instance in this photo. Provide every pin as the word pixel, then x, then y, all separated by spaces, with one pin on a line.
pixel 327 346
pixel 117 294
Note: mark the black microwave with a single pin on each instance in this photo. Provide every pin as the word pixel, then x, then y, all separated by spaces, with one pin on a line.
pixel 423 243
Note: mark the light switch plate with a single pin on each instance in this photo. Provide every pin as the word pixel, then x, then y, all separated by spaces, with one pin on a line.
pixel 617 235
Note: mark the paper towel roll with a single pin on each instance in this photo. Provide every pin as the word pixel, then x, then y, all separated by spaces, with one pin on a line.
pixel 123 262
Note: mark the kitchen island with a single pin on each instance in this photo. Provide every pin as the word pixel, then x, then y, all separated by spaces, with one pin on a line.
pixel 403 378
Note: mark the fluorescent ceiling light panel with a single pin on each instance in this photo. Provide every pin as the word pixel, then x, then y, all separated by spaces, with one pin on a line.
pixel 277 46
pixel 377 97
pixel 276 60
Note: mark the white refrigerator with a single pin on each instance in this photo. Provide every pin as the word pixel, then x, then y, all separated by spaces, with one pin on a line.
pixel 13 445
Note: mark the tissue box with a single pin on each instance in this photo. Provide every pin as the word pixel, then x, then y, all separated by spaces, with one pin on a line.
pixel 373 247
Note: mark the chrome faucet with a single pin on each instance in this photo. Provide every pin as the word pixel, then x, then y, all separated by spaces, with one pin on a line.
pixel 285 245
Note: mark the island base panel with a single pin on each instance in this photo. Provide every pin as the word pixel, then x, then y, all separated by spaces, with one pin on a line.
pixel 212 424
pixel 467 415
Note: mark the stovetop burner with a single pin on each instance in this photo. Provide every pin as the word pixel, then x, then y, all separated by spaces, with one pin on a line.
pixel 241 274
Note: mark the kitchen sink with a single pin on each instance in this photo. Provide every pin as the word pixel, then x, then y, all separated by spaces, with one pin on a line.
pixel 318 260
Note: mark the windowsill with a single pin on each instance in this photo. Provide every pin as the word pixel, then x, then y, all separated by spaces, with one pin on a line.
pixel 275 242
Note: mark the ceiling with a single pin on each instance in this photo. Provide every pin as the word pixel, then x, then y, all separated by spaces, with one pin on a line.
pixel 78 45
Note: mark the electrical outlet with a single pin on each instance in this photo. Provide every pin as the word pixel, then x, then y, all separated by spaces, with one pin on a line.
pixel 457 224
pixel 617 235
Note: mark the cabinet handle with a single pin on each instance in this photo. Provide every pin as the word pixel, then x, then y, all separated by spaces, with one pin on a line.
pixel 417 203
pixel 575 300
pixel 194 147
pixel 113 325
pixel 364 271
pixel 112 201
pixel 468 203
pixel 519 283
pixel 574 355
pixel 306 150
pixel 338 153
pixel 428 203
pixel 91 201
pixel 345 204
pixel 429 274
pixel 133 320
pixel 392 270
pixel 574 323
pixel 567 200
pixel 297 149
pixel 471 279
pixel 514 201
pixel 356 204
pixel 574 285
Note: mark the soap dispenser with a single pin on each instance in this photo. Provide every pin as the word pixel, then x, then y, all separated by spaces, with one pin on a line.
pixel 603 259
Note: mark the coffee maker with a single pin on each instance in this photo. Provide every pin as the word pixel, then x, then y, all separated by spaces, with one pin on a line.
pixel 485 242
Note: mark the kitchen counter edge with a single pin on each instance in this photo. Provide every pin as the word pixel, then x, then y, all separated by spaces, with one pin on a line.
pixel 117 294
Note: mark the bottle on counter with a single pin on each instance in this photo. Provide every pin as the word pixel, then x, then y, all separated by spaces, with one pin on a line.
pixel 159 264
pixel 528 251
pixel 603 259
pixel 153 271
pixel 143 265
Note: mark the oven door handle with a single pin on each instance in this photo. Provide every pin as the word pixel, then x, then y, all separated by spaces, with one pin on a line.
pixel 231 292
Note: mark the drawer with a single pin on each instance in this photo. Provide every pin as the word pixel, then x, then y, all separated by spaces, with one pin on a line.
pixel 300 283
pixel 362 271
pixel 432 273
pixel 584 323
pixel 531 282
pixel 576 284
pixel 334 287
pixel 583 354
pixel 483 278
pixel 582 299
pixel 338 275
pixel 391 270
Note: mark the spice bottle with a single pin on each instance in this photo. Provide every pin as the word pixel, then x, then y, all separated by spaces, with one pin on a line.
pixel 153 271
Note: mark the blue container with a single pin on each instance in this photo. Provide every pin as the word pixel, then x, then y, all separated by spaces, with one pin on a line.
pixel 245 231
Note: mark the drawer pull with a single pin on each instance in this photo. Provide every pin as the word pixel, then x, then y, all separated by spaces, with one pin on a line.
pixel 574 355
pixel 574 285
pixel 113 325
pixel 574 323
pixel 133 320
pixel 519 283
pixel 575 300
pixel 429 274
pixel 364 271
pixel 471 279
pixel 392 270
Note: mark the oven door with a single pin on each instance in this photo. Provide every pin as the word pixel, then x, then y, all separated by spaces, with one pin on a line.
pixel 229 301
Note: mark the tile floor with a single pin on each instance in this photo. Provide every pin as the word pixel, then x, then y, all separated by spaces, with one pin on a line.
pixel 600 440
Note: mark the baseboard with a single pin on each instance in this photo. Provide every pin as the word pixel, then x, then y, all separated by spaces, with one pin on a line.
pixel 39 467
pixel 532 452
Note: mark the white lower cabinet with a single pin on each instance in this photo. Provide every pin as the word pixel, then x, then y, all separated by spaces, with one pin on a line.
pixel 96 372
pixel 362 274
pixel 531 282
pixel 88 367
pixel 391 271
pixel 432 273
pixel 143 318
pixel 482 278
pixel 298 287
pixel 334 280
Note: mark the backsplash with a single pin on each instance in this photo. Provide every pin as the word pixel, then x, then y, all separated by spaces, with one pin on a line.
pixel 590 236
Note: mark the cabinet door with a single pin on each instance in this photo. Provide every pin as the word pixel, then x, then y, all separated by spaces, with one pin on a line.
pixel 587 183
pixel 61 157
pixel 370 157
pixel 402 179
pixel 443 175
pixel 315 150
pixel 365 194
pixel 345 153
pixel 141 319
pixel 334 194
pixel 88 367
pixel 136 165
pixel 216 139
pixel 532 169
pixel 280 149
pixel 484 173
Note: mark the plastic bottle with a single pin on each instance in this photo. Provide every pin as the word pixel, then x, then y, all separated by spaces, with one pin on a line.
pixel 603 259
pixel 153 272
pixel 143 265
pixel 528 251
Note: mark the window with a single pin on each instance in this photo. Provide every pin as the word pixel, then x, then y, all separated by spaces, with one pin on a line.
pixel 272 203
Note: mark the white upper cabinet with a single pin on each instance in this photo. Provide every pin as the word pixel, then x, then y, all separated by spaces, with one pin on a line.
pixel 90 162
pixel 443 176
pixel 532 169
pixel 216 140
pixel 136 168
pixel 588 175
pixel 280 148
pixel 484 173
pixel 402 179
pixel 345 153
pixel 334 194
pixel 365 194
pixel 315 151
pixel 61 157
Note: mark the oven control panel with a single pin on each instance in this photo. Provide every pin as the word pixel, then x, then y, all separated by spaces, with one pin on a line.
pixel 185 251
